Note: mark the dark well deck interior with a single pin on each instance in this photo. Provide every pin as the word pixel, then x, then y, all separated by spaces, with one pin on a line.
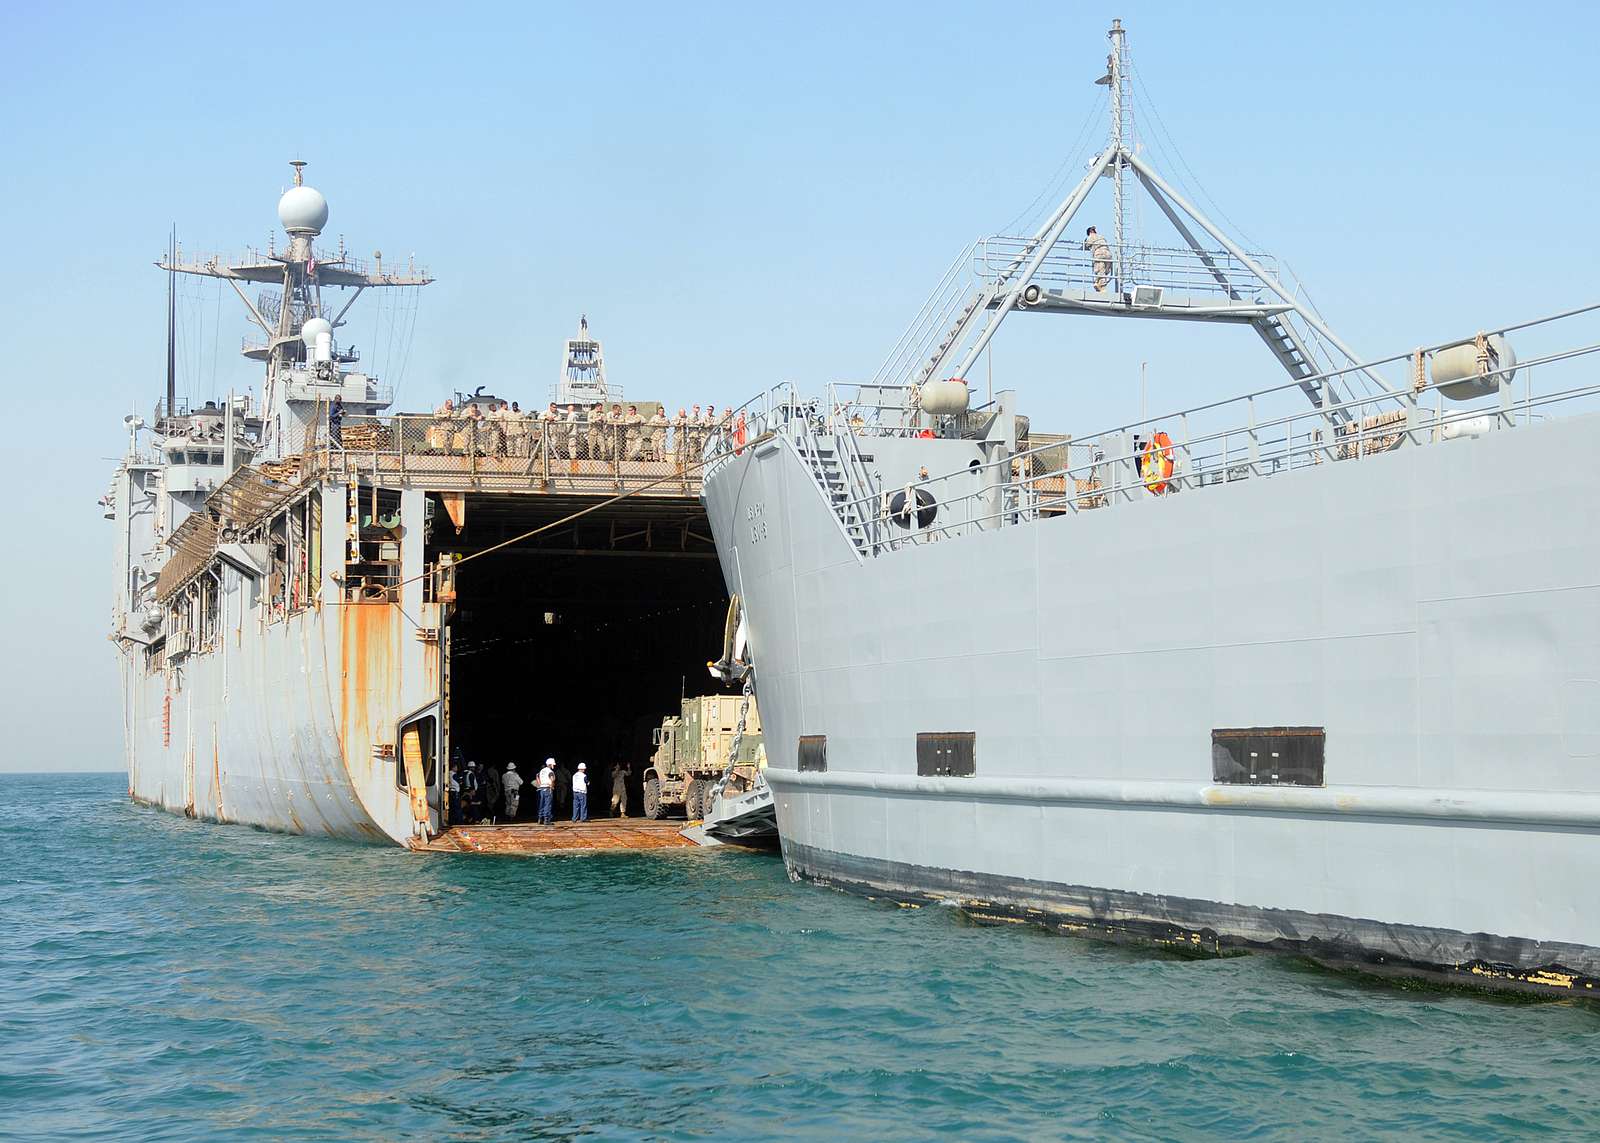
pixel 576 642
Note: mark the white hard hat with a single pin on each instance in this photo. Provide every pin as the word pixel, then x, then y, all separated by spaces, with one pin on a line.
pixel 549 761
pixel 583 765
pixel 511 765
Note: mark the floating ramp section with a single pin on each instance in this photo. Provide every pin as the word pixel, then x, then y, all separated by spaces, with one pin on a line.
pixel 524 839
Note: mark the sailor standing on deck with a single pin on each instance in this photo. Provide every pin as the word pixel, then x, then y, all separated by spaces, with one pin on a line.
pixel 634 424
pixel 619 790
pixel 694 435
pixel 658 436
pixel 580 793
pixel 595 426
pixel 613 441
pixel 513 787
pixel 1100 251
pixel 547 431
pixel 574 422
pixel 680 436
pixel 491 790
pixel 546 783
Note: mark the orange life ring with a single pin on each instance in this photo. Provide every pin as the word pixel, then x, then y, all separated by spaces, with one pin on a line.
pixel 738 434
pixel 925 434
pixel 1155 463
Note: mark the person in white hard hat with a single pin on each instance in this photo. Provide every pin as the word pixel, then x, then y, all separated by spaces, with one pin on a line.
pixel 546 783
pixel 580 793
pixel 512 784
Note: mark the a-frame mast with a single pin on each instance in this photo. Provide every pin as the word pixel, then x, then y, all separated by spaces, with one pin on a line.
pixel 1046 273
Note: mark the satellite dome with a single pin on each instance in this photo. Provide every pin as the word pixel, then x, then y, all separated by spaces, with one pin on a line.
pixel 303 210
pixel 315 328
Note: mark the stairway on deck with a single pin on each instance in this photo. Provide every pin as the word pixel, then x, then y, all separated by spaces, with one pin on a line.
pixel 827 465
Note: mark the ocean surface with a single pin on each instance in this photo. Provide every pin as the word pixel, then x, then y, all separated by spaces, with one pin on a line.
pixel 171 979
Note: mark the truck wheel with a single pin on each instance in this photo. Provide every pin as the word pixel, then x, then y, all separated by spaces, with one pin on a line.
pixel 652 798
pixel 693 809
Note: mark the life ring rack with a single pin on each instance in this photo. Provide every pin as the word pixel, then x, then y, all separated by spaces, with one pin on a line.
pixel 1155 463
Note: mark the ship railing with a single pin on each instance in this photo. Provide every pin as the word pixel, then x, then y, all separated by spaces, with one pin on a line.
pixel 955 295
pixel 1237 439
pixel 520 454
pixel 888 411
pixel 1176 268
pixel 777 410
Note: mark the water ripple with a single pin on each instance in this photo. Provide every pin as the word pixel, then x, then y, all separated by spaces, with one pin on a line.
pixel 172 980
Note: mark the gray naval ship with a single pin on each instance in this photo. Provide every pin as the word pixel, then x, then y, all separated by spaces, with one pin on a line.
pixel 301 639
pixel 1312 669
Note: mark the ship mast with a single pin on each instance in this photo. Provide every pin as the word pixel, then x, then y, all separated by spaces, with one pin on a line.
pixel 582 379
pixel 1048 272
pixel 1116 78
pixel 283 316
pixel 172 331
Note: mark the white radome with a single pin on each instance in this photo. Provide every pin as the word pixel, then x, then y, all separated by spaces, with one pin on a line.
pixel 315 327
pixel 303 210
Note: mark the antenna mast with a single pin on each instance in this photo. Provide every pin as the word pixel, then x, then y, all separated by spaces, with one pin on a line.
pixel 172 328
pixel 1117 80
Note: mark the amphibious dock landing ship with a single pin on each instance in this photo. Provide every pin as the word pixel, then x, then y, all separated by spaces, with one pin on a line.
pixel 303 625
pixel 1316 668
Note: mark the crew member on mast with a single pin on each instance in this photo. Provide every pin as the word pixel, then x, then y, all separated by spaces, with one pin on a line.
pixel 1099 250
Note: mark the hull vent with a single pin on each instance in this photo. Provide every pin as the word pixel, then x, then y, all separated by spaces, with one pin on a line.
pixel 1268 755
pixel 813 753
pixel 947 754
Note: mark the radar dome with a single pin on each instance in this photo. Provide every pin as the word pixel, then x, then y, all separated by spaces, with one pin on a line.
pixel 303 210
pixel 315 328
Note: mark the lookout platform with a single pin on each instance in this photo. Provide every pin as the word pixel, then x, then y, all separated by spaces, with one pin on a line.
pixel 525 839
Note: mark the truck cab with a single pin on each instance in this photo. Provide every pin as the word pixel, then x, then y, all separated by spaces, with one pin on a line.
pixel 692 752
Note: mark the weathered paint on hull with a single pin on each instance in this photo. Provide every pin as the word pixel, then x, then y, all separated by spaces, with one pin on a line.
pixel 1438 618
pixel 286 726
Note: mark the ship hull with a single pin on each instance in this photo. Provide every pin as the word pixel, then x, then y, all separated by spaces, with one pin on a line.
pixel 292 723
pixel 1434 618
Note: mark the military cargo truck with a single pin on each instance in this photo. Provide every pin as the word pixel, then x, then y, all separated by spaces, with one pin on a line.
pixel 692 753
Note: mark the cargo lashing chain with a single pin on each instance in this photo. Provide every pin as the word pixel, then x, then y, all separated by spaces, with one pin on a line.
pixel 738 733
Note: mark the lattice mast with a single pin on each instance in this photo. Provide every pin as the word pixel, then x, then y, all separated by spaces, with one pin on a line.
pixel 582 380
pixel 1116 78
pixel 294 320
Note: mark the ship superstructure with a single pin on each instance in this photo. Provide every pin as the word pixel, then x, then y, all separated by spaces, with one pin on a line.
pixel 1309 669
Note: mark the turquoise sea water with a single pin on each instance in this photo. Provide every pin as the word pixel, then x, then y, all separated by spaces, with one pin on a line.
pixel 170 979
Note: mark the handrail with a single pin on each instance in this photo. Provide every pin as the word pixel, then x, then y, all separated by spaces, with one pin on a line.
pixel 1299 450
pixel 1351 428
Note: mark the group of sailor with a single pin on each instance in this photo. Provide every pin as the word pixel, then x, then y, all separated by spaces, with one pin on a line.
pixel 570 432
pixel 481 793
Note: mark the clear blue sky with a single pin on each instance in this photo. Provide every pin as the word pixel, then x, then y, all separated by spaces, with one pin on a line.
pixel 736 195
